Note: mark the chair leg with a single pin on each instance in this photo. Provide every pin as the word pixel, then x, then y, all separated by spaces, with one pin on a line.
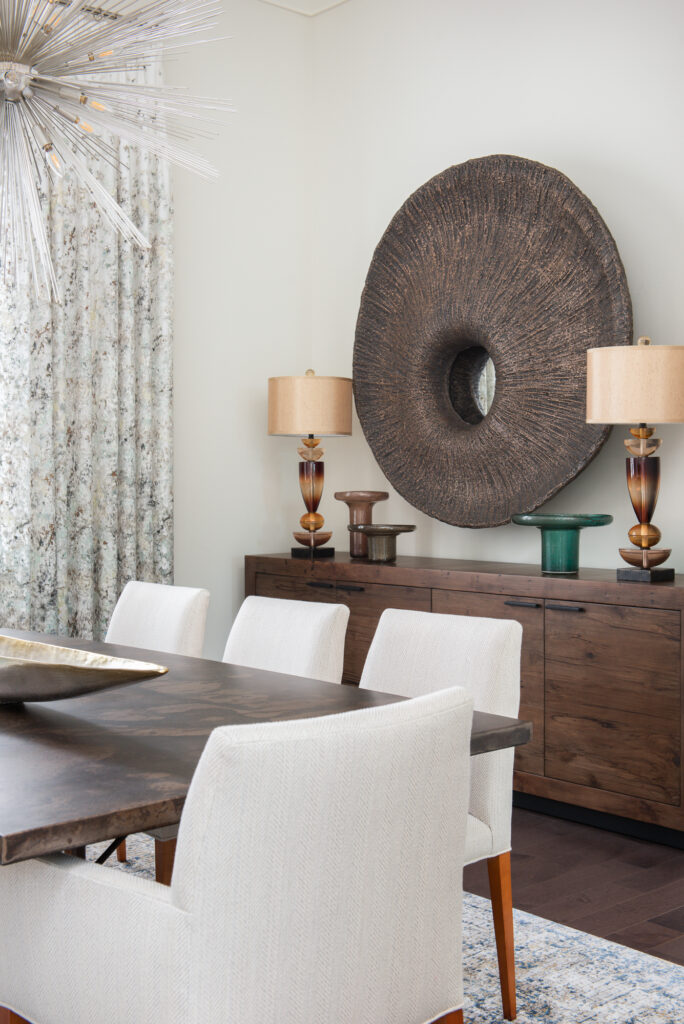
pixel 121 855
pixel 455 1017
pixel 499 869
pixel 10 1017
pixel 164 854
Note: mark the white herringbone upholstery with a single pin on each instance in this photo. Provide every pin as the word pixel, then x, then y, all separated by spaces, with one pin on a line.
pixel 415 653
pixel 299 638
pixel 317 879
pixel 160 618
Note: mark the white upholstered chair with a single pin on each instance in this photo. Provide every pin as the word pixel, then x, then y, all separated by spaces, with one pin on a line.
pixel 318 879
pixel 299 638
pixel 159 617
pixel 414 653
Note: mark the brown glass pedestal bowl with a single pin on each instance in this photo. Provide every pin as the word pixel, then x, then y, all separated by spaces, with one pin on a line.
pixel 382 539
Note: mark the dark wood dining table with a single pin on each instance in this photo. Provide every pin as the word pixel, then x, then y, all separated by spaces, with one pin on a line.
pixel 107 764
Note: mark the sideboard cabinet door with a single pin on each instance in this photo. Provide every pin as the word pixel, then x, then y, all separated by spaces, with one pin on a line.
pixel 613 699
pixel 529 612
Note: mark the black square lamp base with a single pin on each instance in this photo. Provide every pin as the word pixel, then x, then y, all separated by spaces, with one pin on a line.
pixel 302 552
pixel 637 575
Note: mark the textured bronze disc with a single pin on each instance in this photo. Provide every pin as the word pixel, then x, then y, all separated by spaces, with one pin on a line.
pixel 504 257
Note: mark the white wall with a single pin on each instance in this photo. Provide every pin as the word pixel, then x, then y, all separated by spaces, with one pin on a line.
pixel 339 118
pixel 241 301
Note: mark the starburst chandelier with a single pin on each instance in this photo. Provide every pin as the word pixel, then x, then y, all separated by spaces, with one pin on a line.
pixel 61 102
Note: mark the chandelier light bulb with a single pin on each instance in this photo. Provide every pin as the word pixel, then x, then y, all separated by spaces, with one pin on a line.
pixel 55 165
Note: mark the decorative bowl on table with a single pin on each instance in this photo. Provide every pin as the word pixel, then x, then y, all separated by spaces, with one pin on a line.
pixel 560 537
pixel 32 671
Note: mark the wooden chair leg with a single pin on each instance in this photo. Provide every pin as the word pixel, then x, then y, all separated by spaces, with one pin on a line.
pixel 455 1017
pixel 10 1017
pixel 121 855
pixel 164 854
pixel 499 869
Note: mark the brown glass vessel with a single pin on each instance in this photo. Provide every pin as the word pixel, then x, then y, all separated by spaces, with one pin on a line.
pixel 360 505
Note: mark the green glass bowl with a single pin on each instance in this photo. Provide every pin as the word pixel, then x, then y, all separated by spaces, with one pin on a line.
pixel 560 537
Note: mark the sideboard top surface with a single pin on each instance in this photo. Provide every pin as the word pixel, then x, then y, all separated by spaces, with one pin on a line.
pixel 464 574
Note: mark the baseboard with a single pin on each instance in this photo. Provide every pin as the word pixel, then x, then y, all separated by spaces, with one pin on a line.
pixel 609 822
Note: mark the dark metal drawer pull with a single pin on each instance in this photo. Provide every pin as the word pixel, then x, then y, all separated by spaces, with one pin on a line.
pixel 348 586
pixel 523 604
pixel 565 608
pixel 321 586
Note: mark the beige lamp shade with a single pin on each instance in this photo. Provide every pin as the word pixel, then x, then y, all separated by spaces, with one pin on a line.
pixel 642 383
pixel 309 405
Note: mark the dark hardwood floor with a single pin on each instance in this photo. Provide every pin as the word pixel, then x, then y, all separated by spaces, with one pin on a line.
pixel 627 890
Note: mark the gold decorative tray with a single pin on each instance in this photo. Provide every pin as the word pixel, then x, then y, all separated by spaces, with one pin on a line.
pixel 31 671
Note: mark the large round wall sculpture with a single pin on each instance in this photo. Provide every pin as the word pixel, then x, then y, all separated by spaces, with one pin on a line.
pixel 483 295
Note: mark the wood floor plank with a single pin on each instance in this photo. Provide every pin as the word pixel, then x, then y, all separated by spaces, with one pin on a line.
pixel 644 936
pixel 654 876
pixel 673 919
pixel 671 950
pixel 639 908
pixel 580 900
pixel 543 887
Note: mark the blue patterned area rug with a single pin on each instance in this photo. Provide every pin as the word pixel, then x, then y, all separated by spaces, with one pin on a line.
pixel 563 976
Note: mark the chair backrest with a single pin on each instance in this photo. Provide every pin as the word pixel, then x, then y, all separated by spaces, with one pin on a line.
pixel 420 652
pixel 160 618
pixel 320 865
pixel 299 638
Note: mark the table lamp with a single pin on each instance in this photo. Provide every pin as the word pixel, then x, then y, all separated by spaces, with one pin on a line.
pixel 639 384
pixel 310 407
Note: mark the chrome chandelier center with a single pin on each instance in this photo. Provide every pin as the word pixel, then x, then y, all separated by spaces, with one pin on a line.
pixel 15 80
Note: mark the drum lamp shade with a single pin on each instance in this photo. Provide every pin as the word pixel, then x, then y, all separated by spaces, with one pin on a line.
pixel 310 405
pixel 641 383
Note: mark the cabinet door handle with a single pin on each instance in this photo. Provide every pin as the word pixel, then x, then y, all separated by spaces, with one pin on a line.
pixel 321 586
pixel 348 586
pixel 565 608
pixel 523 604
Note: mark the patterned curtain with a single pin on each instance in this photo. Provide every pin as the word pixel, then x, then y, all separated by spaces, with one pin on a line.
pixel 86 412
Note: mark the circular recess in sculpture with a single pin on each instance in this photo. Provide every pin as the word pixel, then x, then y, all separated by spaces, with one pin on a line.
pixel 482 298
pixel 472 382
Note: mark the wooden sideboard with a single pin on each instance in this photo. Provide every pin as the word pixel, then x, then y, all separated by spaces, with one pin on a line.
pixel 601 665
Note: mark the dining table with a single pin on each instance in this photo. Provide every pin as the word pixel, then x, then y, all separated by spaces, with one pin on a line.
pixel 81 770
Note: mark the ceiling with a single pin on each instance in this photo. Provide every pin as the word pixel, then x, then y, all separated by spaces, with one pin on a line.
pixel 309 8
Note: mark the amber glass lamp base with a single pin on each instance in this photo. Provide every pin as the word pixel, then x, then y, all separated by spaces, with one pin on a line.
pixel 311 475
pixel 646 559
pixel 643 481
